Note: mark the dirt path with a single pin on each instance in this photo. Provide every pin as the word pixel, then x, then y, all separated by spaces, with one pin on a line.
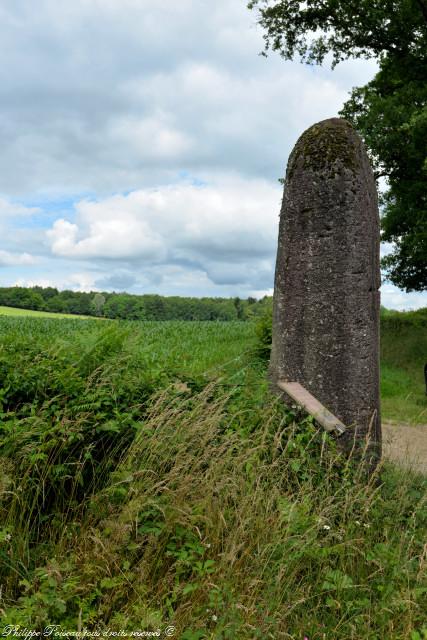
pixel 406 445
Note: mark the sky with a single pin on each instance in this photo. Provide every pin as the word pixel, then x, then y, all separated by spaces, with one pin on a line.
pixel 142 142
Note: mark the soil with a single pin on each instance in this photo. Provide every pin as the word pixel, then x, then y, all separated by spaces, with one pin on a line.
pixel 406 445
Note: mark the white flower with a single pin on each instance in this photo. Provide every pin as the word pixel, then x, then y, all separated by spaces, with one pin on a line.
pixel 214 618
pixel 326 527
pixel 357 522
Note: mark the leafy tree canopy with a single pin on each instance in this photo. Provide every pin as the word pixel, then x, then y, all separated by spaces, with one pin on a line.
pixel 346 28
pixel 390 112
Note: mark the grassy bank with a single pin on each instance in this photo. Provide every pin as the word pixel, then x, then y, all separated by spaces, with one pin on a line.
pixel 148 479
pixel 23 313
pixel 403 356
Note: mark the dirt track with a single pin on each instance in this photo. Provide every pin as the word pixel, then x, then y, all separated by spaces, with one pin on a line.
pixel 406 445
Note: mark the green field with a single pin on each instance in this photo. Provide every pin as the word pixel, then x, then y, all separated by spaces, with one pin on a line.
pixel 148 479
pixel 403 389
pixel 22 313
pixel 403 355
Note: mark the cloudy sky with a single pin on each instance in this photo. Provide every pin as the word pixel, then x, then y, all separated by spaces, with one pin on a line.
pixel 142 142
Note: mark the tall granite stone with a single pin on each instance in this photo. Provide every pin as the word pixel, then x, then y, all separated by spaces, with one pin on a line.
pixel 326 292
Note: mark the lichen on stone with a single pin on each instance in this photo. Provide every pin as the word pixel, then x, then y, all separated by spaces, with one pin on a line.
pixel 325 147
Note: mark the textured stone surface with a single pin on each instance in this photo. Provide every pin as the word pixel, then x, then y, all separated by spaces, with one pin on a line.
pixel 326 298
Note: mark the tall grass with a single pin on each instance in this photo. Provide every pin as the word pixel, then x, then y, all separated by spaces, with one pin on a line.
pixel 148 479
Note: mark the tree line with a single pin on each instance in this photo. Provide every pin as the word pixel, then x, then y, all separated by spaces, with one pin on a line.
pixel 126 306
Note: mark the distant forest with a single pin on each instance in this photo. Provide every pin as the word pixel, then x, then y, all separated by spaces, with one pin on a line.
pixel 126 306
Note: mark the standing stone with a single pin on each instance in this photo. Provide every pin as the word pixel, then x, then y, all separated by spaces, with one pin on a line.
pixel 326 292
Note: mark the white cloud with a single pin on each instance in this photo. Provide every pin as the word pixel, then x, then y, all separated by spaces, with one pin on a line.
pixel 227 230
pixel 14 209
pixel 36 282
pixel 81 281
pixel 111 234
pixel 8 259
pixel 152 138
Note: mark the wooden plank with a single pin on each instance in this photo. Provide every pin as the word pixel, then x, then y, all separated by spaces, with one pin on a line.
pixel 312 406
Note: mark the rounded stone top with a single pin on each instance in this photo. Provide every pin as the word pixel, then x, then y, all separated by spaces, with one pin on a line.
pixel 327 145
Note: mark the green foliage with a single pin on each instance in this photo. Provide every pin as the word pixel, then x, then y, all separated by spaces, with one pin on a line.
pixel 263 331
pixel 403 357
pixel 400 321
pixel 148 479
pixel 390 112
pixel 367 29
pixel 124 306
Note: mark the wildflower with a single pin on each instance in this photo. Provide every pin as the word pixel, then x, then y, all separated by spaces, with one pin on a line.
pixel 366 525
pixel 326 527
pixel 357 522
pixel 214 618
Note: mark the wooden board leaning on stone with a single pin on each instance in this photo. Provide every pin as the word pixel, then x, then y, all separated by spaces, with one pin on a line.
pixel 312 406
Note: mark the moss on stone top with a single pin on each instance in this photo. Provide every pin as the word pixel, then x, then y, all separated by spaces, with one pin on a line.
pixel 328 144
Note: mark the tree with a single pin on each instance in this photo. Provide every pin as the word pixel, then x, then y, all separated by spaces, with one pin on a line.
pixel 390 112
pixel 124 306
pixel 22 298
pixel 97 303
pixel 239 308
